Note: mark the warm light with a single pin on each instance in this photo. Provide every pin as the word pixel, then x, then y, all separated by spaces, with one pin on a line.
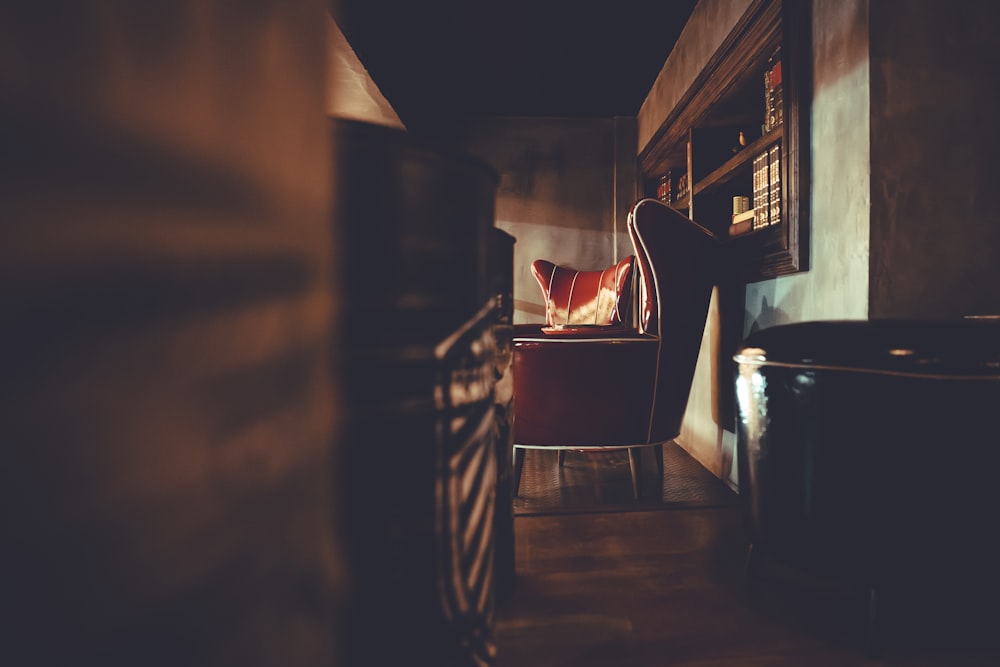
pixel 751 392
pixel 752 354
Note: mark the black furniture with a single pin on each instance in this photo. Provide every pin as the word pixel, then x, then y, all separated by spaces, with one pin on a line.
pixel 868 452
pixel 417 482
pixel 501 277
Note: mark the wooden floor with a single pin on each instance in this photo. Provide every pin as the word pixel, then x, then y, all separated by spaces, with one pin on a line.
pixel 601 481
pixel 664 584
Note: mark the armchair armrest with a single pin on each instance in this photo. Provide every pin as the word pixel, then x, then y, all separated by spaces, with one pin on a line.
pixel 589 331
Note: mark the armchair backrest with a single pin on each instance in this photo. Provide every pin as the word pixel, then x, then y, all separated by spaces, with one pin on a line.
pixel 678 266
pixel 586 297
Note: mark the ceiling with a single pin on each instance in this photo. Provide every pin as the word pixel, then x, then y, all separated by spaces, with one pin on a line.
pixel 437 61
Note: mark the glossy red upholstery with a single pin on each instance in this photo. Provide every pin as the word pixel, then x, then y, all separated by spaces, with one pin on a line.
pixel 620 387
pixel 585 297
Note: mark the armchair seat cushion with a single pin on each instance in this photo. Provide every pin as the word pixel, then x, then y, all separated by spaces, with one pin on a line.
pixel 595 377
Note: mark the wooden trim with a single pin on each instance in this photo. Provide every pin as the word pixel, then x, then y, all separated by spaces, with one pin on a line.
pixel 715 77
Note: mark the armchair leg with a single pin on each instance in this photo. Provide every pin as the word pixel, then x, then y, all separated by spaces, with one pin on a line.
pixel 562 457
pixel 635 465
pixel 658 452
pixel 518 468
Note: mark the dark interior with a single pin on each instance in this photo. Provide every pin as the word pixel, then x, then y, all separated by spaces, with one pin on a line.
pixel 252 380
pixel 442 61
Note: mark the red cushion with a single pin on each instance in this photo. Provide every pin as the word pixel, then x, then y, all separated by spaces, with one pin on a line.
pixel 585 297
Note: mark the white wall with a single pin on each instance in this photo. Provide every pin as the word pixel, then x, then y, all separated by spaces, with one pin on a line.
pixel 350 91
pixel 836 282
pixel 557 193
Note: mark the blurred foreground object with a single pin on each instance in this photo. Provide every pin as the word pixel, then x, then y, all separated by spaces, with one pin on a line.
pixel 167 408
pixel 417 491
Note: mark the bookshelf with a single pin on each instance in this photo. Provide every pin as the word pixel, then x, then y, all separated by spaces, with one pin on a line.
pixel 750 102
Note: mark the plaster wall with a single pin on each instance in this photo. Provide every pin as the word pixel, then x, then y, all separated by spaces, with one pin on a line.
pixel 836 284
pixel 557 193
pixel 626 175
pixel 350 91
pixel 935 225
pixel 709 24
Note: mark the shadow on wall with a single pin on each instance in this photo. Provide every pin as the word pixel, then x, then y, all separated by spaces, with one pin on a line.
pixel 776 299
pixel 767 316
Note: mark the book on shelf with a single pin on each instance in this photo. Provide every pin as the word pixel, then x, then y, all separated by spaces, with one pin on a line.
pixel 682 187
pixel 665 190
pixel 773 93
pixel 774 185
pixel 767 187
pixel 760 190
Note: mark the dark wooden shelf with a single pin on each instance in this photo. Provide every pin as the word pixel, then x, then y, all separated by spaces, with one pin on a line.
pixel 736 164
pixel 748 232
pixel 727 98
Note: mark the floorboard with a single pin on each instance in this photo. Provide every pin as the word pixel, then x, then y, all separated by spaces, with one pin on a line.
pixel 665 585
pixel 600 481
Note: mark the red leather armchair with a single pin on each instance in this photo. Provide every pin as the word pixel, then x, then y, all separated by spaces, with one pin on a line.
pixel 619 386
